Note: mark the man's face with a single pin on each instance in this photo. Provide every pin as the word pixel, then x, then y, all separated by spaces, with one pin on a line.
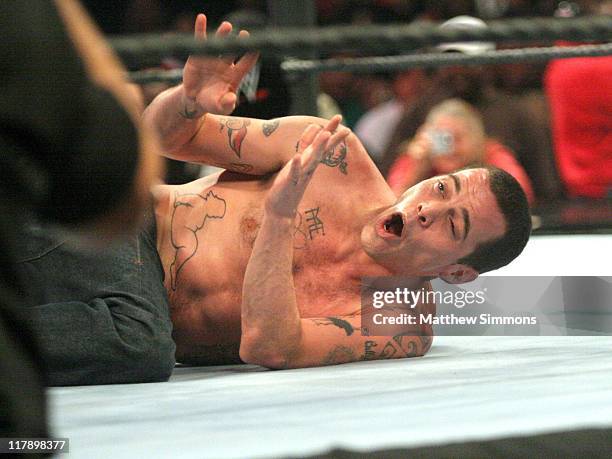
pixel 434 224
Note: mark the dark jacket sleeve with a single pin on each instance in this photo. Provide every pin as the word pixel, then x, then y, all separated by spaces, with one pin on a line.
pixel 68 148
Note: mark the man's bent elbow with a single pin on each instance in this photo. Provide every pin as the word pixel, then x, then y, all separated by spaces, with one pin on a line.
pixel 256 352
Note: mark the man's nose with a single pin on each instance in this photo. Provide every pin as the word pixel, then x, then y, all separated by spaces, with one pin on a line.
pixel 427 213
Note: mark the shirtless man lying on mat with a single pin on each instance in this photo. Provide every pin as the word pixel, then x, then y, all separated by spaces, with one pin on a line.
pixel 264 262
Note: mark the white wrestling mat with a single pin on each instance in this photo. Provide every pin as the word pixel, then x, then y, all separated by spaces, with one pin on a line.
pixel 466 388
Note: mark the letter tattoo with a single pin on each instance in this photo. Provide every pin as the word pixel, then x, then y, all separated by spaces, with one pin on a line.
pixel 315 225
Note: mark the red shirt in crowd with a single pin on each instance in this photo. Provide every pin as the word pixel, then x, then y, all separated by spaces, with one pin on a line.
pixel 580 96
pixel 496 155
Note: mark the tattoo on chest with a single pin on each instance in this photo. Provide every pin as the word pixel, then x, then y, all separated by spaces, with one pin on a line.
pixel 300 239
pixel 315 224
pixel 336 157
pixel 236 132
pixel 190 214
pixel 269 127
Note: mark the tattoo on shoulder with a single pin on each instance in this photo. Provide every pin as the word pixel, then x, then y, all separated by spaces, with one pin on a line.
pixel 336 157
pixel 236 132
pixel 269 127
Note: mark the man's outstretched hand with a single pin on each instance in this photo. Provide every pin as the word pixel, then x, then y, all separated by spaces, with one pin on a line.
pixel 210 84
pixel 291 182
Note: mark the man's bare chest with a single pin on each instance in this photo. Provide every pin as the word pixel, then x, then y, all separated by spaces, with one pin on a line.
pixel 210 236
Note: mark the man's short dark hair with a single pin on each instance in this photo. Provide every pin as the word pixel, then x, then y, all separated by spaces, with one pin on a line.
pixel 512 202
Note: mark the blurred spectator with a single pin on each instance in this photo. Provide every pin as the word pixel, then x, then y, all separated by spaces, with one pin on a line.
pixel 521 83
pixel 354 94
pixel 504 118
pixel 452 137
pixel 580 95
pixel 376 126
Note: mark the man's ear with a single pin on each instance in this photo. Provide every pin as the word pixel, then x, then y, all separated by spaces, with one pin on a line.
pixel 458 274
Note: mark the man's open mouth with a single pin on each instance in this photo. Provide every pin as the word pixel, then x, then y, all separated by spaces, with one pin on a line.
pixel 392 226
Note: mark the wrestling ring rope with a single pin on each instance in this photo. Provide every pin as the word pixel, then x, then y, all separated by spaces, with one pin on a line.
pixel 144 50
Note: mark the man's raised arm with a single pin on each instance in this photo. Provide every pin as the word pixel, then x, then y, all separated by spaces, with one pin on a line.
pixel 192 120
pixel 273 333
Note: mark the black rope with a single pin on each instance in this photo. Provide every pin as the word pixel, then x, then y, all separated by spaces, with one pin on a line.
pixel 150 49
pixel 391 63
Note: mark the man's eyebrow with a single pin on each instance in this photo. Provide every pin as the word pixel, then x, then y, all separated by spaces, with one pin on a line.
pixel 457 182
pixel 466 223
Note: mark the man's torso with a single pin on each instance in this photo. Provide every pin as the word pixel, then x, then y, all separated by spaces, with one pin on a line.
pixel 206 232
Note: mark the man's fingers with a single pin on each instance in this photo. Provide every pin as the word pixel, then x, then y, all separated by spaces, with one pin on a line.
pixel 333 123
pixel 308 135
pixel 294 171
pixel 245 63
pixel 338 137
pixel 227 102
pixel 200 27
pixel 224 29
pixel 320 140
pixel 317 148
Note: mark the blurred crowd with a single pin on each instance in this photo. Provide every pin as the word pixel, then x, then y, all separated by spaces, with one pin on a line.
pixel 549 124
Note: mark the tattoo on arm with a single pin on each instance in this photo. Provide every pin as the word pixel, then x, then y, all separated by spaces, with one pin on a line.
pixel 269 127
pixel 189 114
pixel 340 354
pixel 191 110
pixel 336 157
pixel 236 132
pixel 402 345
pixel 336 321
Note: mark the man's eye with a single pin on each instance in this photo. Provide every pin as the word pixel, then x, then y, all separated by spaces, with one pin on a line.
pixel 452 227
pixel 441 187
